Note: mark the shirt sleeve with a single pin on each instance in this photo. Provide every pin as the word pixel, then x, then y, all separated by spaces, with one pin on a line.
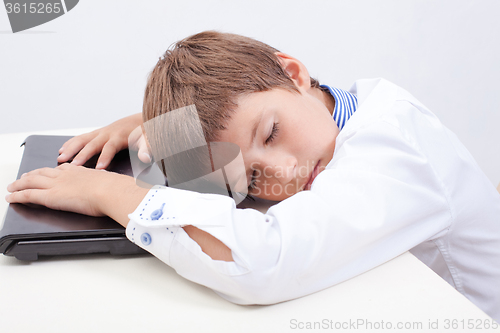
pixel 378 198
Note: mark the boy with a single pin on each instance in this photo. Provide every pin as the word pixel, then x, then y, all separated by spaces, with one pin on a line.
pixel 356 193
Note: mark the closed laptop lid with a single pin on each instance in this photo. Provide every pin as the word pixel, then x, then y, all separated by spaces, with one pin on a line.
pixel 32 230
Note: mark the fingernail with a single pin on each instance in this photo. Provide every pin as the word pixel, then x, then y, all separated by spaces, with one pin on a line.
pixel 99 166
pixel 61 150
pixel 75 162
pixel 147 156
pixel 7 197
pixel 24 174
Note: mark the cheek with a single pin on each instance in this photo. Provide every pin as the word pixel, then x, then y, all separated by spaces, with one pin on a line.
pixel 327 134
pixel 332 138
pixel 319 139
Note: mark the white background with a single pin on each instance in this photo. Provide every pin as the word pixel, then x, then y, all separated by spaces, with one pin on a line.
pixel 89 67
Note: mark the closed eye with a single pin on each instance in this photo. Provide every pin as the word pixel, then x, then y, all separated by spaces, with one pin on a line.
pixel 272 136
pixel 274 133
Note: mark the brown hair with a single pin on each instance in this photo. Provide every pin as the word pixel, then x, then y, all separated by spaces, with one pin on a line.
pixel 211 70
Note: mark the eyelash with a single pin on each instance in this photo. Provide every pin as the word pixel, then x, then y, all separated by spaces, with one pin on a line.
pixel 274 132
pixel 270 139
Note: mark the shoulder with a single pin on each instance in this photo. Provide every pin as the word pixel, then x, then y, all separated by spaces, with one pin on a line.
pixel 380 94
pixel 391 130
pixel 382 103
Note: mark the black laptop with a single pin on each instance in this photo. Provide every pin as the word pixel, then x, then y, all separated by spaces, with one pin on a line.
pixel 31 231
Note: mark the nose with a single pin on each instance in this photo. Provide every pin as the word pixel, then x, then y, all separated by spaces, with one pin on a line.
pixel 281 166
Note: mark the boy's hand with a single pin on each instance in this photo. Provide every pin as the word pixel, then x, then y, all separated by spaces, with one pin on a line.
pixel 108 141
pixel 80 190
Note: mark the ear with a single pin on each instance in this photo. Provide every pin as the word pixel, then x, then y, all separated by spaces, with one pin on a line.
pixel 296 70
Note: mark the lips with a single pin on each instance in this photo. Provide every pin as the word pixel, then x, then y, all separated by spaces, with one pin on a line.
pixel 314 173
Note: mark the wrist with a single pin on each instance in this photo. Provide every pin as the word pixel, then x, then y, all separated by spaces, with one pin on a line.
pixel 120 198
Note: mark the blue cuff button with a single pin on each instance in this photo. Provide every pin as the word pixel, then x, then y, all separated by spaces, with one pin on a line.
pixel 157 213
pixel 146 239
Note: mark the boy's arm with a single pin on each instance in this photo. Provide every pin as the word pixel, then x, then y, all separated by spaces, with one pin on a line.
pixel 80 190
pixel 210 245
pixel 96 193
pixel 131 196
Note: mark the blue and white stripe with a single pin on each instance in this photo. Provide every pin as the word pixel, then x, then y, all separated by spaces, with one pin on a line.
pixel 345 105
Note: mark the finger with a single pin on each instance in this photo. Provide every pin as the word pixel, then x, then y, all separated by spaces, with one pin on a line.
pixel 90 149
pixel 74 145
pixel 35 196
pixel 144 153
pixel 144 157
pixel 69 152
pixel 66 166
pixel 73 148
pixel 67 144
pixel 30 182
pixel 47 172
pixel 134 137
pixel 108 152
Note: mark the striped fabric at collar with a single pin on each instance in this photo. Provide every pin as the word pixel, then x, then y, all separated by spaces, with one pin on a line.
pixel 345 105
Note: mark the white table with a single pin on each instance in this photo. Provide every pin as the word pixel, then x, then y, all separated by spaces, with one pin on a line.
pixel 102 293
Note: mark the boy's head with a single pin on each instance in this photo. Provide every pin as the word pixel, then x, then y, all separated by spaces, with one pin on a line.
pixel 231 79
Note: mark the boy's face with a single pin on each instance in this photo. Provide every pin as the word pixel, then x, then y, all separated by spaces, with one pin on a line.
pixel 285 138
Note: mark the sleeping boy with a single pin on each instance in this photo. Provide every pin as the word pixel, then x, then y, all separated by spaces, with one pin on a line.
pixel 361 175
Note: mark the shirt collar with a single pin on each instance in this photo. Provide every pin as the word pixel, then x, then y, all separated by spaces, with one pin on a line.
pixel 345 105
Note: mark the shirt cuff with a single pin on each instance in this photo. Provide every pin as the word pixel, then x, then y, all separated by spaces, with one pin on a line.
pixel 166 206
pixel 156 241
pixel 156 223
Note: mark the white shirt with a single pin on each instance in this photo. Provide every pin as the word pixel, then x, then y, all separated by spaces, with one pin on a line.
pixel 399 180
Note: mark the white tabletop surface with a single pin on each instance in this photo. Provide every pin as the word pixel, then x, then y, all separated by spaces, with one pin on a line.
pixel 103 293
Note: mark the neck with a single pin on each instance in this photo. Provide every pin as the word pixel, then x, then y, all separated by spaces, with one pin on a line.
pixel 326 98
